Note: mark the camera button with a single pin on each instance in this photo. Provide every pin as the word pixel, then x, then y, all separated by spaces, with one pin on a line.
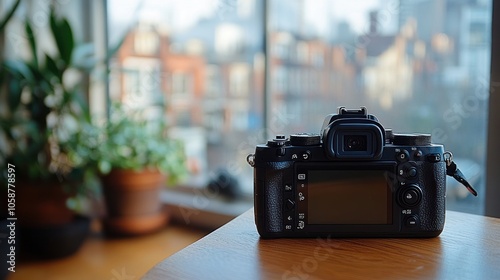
pixel 411 172
pixel 434 158
pixel 411 196
pixel 306 155
pixel 418 154
pixel 403 155
pixel 411 221
pixel 289 204
pixel 408 172
pixel 300 225
pixel 288 187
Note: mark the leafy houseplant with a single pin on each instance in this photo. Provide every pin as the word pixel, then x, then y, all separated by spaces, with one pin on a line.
pixel 134 142
pixel 43 111
pixel 134 155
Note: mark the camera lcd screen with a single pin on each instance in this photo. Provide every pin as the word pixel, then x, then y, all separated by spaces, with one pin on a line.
pixel 349 197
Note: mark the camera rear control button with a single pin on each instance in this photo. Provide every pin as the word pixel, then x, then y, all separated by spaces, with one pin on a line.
pixel 434 158
pixel 411 172
pixel 300 225
pixel 288 227
pixel 301 176
pixel 408 171
pixel 289 204
pixel 418 154
pixel 288 187
pixel 301 196
pixel 403 155
pixel 411 221
pixel 306 155
pixel 411 196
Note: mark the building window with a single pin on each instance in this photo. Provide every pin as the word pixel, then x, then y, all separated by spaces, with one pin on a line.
pixel 181 85
pixel 141 82
pixel 239 79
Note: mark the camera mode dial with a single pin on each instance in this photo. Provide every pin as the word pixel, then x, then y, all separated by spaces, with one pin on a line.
pixel 412 139
pixel 278 141
pixel 305 139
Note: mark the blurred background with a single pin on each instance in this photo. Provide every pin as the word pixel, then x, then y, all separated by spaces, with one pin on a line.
pixel 199 67
pixel 419 66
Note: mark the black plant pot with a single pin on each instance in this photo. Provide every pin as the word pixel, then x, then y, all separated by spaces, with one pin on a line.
pixel 51 242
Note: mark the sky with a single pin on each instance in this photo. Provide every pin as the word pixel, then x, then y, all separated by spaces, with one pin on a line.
pixel 319 14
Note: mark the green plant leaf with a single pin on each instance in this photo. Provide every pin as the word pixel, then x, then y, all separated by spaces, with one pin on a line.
pixel 104 167
pixel 9 15
pixel 14 94
pixel 19 70
pixel 32 42
pixel 51 66
pixel 63 35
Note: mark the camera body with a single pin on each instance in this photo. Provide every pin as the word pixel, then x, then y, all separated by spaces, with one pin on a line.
pixel 355 179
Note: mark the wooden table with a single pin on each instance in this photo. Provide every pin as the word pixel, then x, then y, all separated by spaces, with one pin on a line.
pixel 111 259
pixel 468 248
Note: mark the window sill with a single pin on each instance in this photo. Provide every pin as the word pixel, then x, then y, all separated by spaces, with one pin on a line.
pixel 196 207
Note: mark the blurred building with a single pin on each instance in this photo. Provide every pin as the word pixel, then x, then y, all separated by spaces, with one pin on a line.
pixel 207 83
pixel 305 74
pixel 150 75
pixel 387 63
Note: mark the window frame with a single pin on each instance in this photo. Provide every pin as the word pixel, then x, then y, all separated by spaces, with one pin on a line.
pixel 492 195
pixel 492 192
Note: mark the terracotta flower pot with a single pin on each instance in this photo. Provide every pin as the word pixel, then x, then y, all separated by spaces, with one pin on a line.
pixel 42 204
pixel 133 202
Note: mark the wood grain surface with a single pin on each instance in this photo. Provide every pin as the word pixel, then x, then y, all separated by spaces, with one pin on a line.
pixel 111 259
pixel 468 248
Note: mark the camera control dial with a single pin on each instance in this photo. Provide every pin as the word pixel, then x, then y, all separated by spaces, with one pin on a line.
pixel 305 139
pixel 411 196
pixel 278 141
pixel 412 139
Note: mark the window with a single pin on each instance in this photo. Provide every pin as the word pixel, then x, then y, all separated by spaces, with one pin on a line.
pixel 415 74
pixel 202 60
pixel 181 85
pixel 141 82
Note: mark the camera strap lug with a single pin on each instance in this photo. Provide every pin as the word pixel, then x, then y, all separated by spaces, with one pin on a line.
pixel 251 159
pixel 453 171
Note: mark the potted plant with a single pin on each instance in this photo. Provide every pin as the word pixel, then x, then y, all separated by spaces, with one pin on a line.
pixel 43 110
pixel 136 158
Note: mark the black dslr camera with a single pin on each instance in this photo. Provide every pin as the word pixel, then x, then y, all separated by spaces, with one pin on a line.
pixel 356 179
